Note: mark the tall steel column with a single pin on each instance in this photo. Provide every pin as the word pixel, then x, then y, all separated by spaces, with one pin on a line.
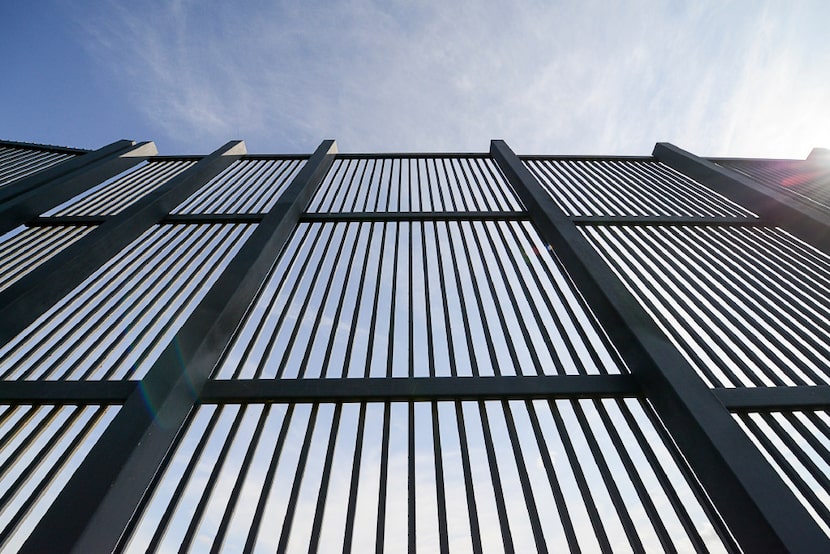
pixel 94 509
pixel 29 197
pixel 807 222
pixel 24 301
pixel 757 506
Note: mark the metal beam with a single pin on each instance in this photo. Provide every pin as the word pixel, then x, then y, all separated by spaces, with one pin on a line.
pixel 25 300
pixel 43 147
pixel 327 217
pixel 220 219
pixel 756 505
pixel 771 399
pixel 80 160
pixel 822 154
pixel 30 196
pixel 353 217
pixel 415 388
pixel 665 220
pixel 63 392
pixel 804 220
pixel 410 155
pixel 61 220
pixel 97 504
pixel 214 218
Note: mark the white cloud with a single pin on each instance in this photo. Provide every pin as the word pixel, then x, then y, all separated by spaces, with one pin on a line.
pixel 584 77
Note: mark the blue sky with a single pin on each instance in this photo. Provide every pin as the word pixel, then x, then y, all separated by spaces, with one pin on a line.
pixel 592 77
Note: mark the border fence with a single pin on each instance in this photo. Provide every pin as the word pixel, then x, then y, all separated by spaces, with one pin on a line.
pixel 412 352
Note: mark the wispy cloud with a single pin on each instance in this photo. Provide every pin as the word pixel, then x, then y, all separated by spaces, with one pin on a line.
pixel 589 77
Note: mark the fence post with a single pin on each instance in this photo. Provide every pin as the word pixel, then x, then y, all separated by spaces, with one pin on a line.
pixel 756 505
pixel 27 299
pixel 97 504
pixel 807 222
pixel 26 198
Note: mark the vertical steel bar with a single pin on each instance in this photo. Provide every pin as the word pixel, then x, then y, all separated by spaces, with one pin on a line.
pixel 253 530
pixel 524 479
pixel 483 227
pixel 516 245
pixel 482 300
pixel 635 253
pixel 411 488
pixel 440 492
pixel 581 481
pixel 462 302
pixel 358 305
pixel 325 370
pixel 37 491
pixel 472 512
pixel 374 319
pixel 348 533
pixel 634 475
pixel 320 308
pixel 291 509
pixel 706 347
pixel 611 487
pixel 130 263
pixel 807 434
pixel 393 302
pixel 482 314
pixel 442 293
pixel 786 464
pixel 239 482
pixel 383 479
pixel 184 479
pixel 324 481
pixel 501 240
pixel 555 487
pixel 657 467
pixel 697 488
pixel 410 297
pixel 32 460
pixel 206 491
pixel 498 490
pixel 729 297
pixel 426 298
pixel 265 358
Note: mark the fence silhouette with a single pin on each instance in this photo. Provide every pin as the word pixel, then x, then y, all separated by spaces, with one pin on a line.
pixel 454 352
